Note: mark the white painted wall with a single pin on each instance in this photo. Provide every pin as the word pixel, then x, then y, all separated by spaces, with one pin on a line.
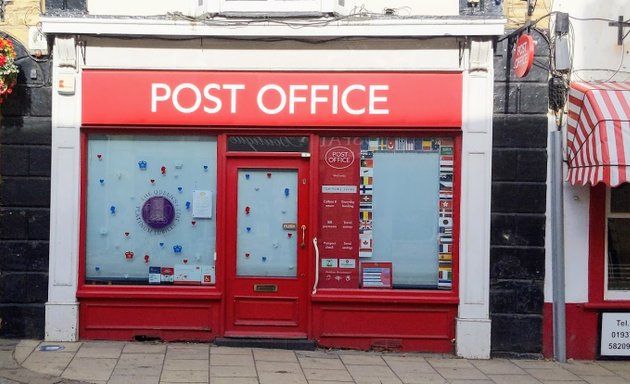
pixel 595 43
pixel 596 57
pixel 191 7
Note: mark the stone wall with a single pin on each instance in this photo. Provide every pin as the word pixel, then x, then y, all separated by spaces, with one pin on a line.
pixel 519 175
pixel 25 134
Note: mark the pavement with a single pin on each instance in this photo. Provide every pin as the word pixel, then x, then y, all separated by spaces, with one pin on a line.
pixel 37 362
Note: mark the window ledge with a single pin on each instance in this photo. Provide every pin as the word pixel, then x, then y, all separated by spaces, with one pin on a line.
pixel 385 296
pixel 620 304
pixel 149 292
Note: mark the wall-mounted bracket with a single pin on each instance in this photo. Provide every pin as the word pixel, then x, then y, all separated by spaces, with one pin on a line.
pixel 621 24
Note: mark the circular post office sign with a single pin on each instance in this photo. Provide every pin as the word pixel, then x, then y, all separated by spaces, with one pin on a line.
pixel 523 55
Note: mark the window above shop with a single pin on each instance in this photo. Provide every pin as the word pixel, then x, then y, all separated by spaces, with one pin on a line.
pixel 618 243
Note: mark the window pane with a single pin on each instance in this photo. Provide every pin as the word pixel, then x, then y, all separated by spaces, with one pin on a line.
pixel 401 188
pixel 150 209
pixel 618 254
pixel 263 247
pixel 405 217
pixel 620 199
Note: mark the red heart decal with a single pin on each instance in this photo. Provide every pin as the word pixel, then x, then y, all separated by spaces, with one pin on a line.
pixel 193 222
pixel 146 258
pixel 185 261
pixel 126 233
pixel 247 255
pixel 269 174
pixel 99 155
pixel 290 235
pixel 152 181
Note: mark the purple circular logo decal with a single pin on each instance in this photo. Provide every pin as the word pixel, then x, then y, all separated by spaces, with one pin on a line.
pixel 158 212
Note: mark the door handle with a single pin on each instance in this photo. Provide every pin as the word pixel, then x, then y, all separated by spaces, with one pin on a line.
pixel 303 244
pixel 316 282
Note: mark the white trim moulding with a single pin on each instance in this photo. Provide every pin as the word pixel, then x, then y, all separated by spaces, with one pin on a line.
pixel 372 28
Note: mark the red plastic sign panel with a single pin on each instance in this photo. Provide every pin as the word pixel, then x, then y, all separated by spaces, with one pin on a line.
pixel 523 55
pixel 339 212
pixel 203 98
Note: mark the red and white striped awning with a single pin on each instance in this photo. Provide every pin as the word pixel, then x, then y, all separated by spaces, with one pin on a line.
pixel 598 133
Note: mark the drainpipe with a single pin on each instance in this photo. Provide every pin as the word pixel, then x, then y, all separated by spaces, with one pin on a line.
pixel 557 251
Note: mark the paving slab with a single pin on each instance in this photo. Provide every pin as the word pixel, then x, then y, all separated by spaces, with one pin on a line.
pixel 604 380
pixel 134 379
pixel 163 363
pixel 186 365
pixel 514 379
pixel 232 371
pixel 244 360
pixel 229 351
pixel 237 380
pixel 312 374
pixel 281 378
pixel 423 378
pixel 456 373
pixel 355 359
pixel 498 367
pixel 104 350
pixel 552 374
pixel 144 348
pixel 320 363
pixel 278 367
pixel 274 355
pixel 183 376
pixel 50 363
pixel 88 369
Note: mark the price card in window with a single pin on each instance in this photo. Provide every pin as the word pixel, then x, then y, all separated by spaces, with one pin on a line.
pixel 615 334
pixel 202 204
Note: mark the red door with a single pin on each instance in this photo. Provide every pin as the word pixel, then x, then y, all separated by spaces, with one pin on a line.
pixel 267 248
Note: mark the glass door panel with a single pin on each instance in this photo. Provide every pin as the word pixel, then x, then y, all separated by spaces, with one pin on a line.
pixel 267 223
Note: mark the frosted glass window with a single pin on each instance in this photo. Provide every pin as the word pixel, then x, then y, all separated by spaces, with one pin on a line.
pixel 150 209
pixel 267 223
pixel 405 215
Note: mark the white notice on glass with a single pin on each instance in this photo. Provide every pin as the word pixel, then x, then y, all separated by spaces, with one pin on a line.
pixel 202 204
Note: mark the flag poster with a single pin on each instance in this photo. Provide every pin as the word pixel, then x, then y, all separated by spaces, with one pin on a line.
pixel 346 236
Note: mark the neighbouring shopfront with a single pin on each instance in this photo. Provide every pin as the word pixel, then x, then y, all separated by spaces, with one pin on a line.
pixel 345 204
pixel 597 217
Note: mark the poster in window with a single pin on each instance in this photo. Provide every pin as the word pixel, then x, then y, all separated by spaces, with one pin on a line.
pixel 376 274
pixel 339 207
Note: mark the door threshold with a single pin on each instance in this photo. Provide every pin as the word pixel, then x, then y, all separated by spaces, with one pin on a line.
pixel 249 342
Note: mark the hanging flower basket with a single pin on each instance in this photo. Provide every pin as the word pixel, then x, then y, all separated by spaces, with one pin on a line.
pixel 8 69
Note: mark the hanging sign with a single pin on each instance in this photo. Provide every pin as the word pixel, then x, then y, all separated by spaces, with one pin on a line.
pixel 523 55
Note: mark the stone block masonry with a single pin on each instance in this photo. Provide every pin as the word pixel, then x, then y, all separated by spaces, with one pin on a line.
pixel 25 138
pixel 519 186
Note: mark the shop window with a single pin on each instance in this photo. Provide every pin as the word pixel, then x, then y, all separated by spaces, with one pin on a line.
pixel 618 243
pixel 150 209
pixel 401 191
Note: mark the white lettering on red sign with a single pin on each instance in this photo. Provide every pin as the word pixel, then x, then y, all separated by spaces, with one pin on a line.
pixel 273 99
pixel 161 92
pixel 339 157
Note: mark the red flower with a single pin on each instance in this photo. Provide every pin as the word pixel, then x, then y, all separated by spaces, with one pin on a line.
pixel 3 60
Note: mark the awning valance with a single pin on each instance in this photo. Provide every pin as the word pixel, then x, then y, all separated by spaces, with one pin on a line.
pixel 598 133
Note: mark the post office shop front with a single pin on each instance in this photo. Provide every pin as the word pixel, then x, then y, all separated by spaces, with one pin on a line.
pixel 342 204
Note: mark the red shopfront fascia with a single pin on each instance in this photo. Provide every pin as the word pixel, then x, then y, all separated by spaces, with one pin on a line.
pixel 330 103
